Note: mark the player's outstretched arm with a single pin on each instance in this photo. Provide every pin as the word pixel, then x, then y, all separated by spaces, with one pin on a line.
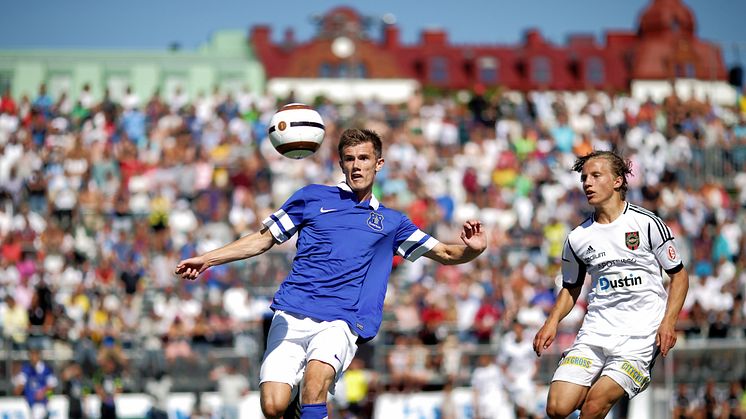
pixel 248 246
pixel 475 241
pixel 565 302
pixel 666 336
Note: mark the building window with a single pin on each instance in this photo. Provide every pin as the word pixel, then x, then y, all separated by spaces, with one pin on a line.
pixel 175 86
pixel 232 83
pixel 117 84
pixel 344 71
pixel 488 67
pixel 685 70
pixel 690 71
pixel 438 70
pixel 541 70
pixel 361 71
pixel 675 25
pixel 6 80
pixel 419 69
pixel 325 70
pixel 59 83
pixel 594 70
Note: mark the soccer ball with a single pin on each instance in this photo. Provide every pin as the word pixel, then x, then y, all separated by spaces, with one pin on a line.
pixel 296 131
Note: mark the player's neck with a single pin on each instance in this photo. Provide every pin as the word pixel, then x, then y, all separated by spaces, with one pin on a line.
pixel 609 211
pixel 363 195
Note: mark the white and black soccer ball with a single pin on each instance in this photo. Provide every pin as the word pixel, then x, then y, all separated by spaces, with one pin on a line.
pixel 296 131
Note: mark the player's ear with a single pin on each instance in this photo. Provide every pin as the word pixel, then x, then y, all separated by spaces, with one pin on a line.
pixel 379 164
pixel 618 182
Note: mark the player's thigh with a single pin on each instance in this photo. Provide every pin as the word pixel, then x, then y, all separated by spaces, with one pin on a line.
pixel 285 356
pixel 335 346
pixel 632 363
pixel 318 379
pixel 565 397
pixel 274 397
pixel 602 396
pixel 581 364
pixel 578 368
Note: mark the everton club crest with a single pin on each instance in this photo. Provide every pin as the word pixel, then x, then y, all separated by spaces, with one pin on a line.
pixel 375 221
pixel 632 240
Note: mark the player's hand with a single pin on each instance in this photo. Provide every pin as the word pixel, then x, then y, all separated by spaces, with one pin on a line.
pixel 544 338
pixel 474 236
pixel 665 338
pixel 191 268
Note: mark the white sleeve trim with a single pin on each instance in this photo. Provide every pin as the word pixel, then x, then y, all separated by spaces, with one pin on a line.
pixel 275 229
pixel 286 222
pixel 412 240
pixel 426 247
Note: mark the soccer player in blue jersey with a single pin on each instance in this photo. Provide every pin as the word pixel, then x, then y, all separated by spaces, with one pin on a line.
pixel 333 297
pixel 35 381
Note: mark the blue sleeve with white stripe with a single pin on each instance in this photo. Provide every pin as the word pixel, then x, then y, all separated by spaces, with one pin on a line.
pixel 411 242
pixel 285 222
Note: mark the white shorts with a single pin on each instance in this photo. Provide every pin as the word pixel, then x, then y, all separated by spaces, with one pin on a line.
pixel 39 411
pixel 294 340
pixel 628 360
pixel 522 391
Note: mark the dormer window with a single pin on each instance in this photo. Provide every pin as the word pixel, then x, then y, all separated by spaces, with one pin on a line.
pixel 675 25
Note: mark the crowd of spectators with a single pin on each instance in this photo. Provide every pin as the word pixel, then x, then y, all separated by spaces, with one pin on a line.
pixel 100 198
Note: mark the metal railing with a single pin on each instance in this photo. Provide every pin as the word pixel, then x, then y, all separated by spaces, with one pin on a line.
pixel 713 165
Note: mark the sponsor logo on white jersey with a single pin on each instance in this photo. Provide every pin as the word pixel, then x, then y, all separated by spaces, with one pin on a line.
pixel 610 284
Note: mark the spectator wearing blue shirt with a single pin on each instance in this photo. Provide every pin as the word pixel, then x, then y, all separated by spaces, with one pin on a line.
pixel 43 101
pixel 134 124
pixel 333 297
pixel 35 381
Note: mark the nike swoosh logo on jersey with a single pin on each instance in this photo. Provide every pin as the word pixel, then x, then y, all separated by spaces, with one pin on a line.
pixel 324 211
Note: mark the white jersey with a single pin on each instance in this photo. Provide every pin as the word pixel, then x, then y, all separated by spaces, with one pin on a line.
pixel 487 382
pixel 624 259
pixel 518 357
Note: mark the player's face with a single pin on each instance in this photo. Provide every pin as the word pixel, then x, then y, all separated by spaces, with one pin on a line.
pixel 360 165
pixel 599 181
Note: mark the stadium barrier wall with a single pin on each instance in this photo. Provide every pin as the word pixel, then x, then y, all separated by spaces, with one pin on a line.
pixel 423 405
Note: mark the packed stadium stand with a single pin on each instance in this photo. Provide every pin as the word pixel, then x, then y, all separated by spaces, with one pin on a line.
pixel 100 199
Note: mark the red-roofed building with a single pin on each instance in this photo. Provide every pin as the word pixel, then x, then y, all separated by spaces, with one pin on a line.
pixel 665 47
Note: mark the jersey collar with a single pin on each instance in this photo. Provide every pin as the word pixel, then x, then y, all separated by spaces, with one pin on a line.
pixel 626 206
pixel 373 203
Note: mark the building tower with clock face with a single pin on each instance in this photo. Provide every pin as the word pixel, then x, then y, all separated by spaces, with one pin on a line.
pixel 342 62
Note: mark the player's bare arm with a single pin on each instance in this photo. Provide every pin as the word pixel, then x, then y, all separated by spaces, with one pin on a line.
pixel 565 302
pixel 475 241
pixel 666 336
pixel 248 246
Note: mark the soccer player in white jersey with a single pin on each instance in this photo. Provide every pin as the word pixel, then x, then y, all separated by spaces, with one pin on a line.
pixel 630 317
pixel 333 297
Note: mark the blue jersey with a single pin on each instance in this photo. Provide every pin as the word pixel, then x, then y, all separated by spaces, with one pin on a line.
pixel 345 251
pixel 35 378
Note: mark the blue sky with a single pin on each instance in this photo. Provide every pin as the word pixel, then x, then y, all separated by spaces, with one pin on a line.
pixel 155 24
